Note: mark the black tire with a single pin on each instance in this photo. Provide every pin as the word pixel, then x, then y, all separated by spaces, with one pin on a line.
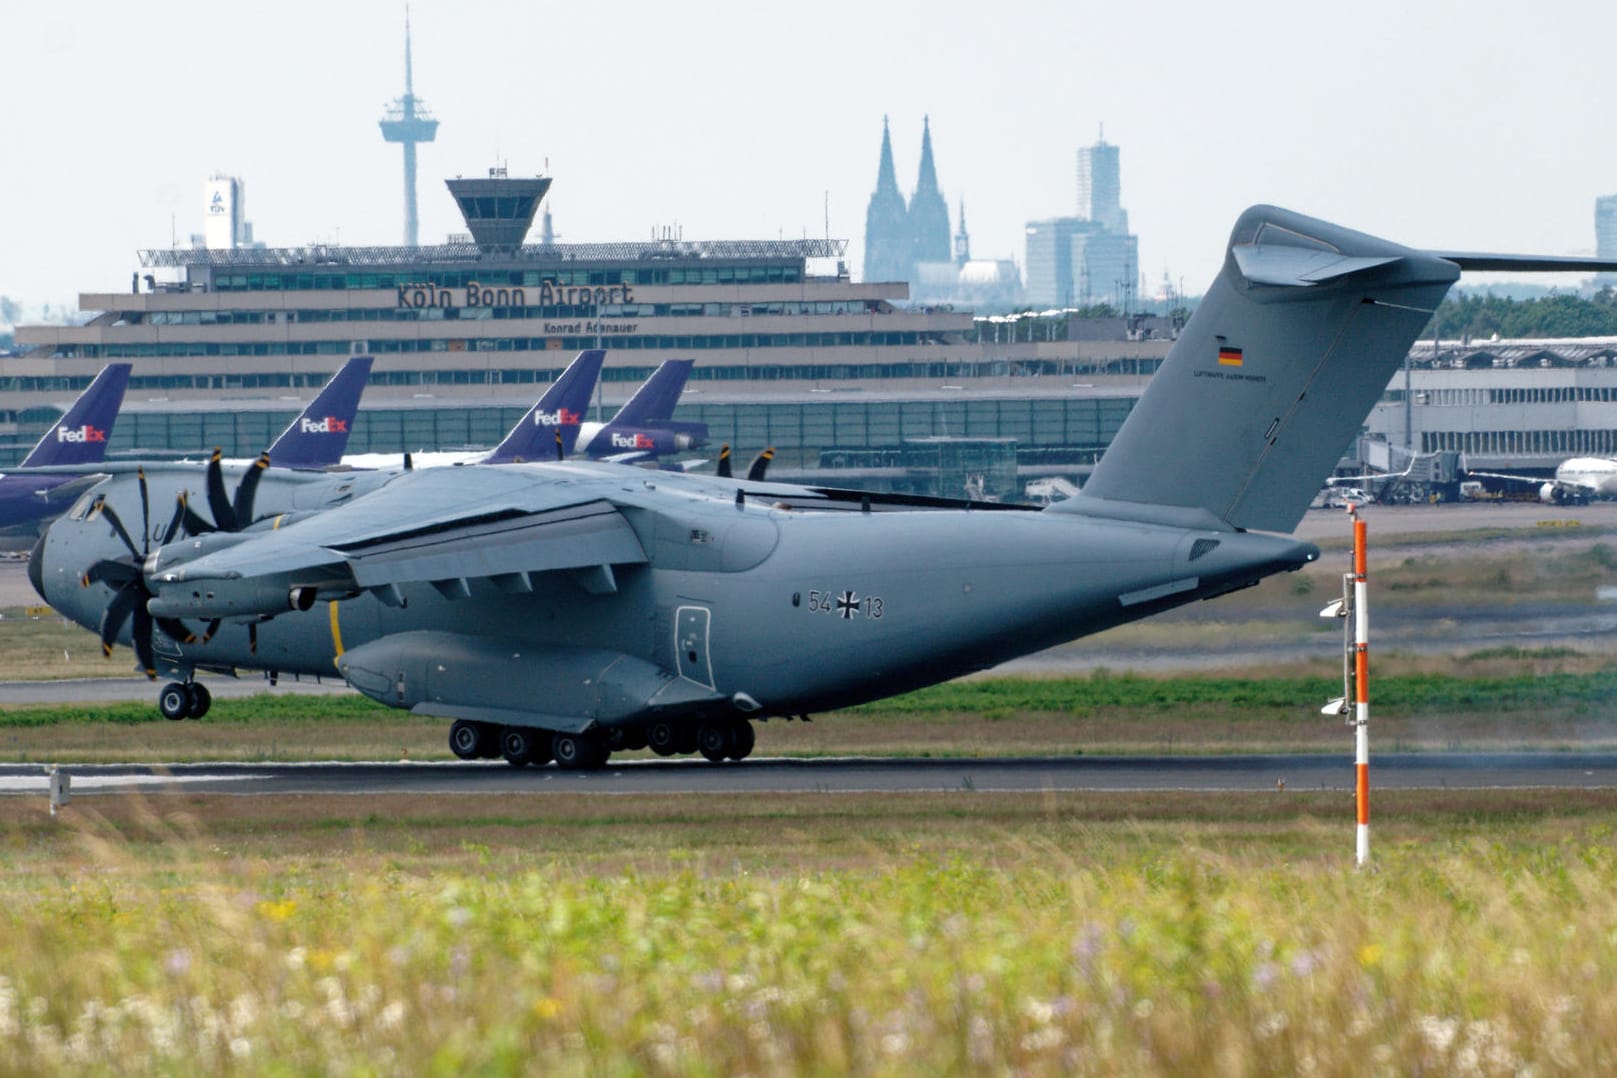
pixel 174 701
pixel 626 738
pixel 517 744
pixel 742 739
pixel 468 740
pixel 685 741
pixel 713 740
pixel 201 700
pixel 662 737
pixel 572 751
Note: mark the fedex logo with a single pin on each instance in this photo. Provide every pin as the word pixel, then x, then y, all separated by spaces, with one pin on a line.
pixel 87 433
pixel 561 417
pixel 328 425
pixel 632 441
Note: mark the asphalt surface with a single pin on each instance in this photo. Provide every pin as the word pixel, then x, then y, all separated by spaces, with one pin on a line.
pixel 116 689
pixel 854 775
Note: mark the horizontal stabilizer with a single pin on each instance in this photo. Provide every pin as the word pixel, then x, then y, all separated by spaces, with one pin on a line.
pixel 1295 266
pixel 1471 260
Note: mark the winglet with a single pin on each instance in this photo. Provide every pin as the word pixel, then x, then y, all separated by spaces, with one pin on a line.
pixel 80 436
pixel 318 436
pixel 558 413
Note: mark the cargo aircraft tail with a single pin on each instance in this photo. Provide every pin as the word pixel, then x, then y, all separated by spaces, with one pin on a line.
pixel 1273 375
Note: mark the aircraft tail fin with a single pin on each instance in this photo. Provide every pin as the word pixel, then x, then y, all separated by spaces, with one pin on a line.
pixel 319 435
pixel 656 398
pixel 559 410
pixel 80 436
pixel 1270 379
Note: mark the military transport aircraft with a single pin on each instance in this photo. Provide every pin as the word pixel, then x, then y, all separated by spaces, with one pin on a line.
pixel 79 437
pixel 566 609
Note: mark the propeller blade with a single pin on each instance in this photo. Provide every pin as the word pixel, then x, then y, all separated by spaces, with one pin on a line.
pixel 124 601
pixel 142 632
pixel 194 524
pixel 118 526
pixel 724 461
pixel 560 452
pixel 224 518
pixel 252 637
pixel 409 464
pixel 113 571
pixel 145 510
pixel 176 630
pixel 248 490
pixel 213 628
pixel 175 522
pixel 760 465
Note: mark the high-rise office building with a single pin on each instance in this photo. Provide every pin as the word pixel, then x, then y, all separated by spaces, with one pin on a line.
pixel 1100 187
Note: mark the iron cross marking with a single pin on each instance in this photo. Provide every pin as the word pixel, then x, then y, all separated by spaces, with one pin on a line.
pixel 847 605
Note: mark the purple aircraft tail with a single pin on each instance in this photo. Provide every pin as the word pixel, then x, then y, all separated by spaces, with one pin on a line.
pixel 80 436
pixel 558 414
pixel 318 437
pixel 656 398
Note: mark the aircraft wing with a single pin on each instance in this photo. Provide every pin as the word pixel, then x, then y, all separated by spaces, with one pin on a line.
pixel 1535 480
pixel 498 524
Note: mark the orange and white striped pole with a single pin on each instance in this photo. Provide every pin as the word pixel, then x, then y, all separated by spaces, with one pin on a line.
pixel 1361 684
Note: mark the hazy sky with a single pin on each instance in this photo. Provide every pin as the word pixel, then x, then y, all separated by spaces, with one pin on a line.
pixel 1481 125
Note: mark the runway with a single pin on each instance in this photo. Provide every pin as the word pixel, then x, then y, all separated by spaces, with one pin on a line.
pixel 850 775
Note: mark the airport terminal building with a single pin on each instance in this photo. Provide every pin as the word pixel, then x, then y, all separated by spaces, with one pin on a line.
pixel 228 343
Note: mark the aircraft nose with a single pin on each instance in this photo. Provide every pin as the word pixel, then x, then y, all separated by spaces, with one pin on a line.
pixel 36 567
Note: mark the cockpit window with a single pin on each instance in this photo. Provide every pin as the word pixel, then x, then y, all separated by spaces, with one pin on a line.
pixel 81 508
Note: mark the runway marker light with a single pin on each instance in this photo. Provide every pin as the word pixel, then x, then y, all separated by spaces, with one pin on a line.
pixel 1353 609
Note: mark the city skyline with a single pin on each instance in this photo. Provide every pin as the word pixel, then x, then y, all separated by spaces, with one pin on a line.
pixel 730 122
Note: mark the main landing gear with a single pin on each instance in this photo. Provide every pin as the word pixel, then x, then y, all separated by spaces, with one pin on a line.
pixel 717 739
pixel 184 700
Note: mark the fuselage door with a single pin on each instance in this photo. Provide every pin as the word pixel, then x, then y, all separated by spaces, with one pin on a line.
pixel 690 644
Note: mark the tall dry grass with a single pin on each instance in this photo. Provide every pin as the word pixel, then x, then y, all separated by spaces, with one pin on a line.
pixel 1087 948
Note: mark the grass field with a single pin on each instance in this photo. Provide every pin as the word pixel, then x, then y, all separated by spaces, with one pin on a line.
pixel 1502 698
pixel 936 933
pixel 959 932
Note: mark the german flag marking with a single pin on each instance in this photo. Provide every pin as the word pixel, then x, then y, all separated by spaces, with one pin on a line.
pixel 1229 357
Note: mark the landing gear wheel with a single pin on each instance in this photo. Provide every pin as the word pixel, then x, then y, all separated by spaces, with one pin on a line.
pixel 517 745
pixel 174 701
pixel 201 700
pixel 742 738
pixel 685 741
pixel 713 740
pixel 469 740
pixel 662 737
pixel 626 738
pixel 579 752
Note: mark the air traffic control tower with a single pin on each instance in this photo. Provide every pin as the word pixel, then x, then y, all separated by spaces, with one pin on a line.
pixel 499 210
pixel 407 121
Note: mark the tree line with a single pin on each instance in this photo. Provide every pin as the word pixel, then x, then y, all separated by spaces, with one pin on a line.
pixel 1477 316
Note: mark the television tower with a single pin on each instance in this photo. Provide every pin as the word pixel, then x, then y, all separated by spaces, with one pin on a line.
pixel 408 121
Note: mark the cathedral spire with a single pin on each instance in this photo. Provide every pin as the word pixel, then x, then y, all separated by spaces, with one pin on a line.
pixel 887 238
pixel 929 214
pixel 886 174
pixel 962 239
